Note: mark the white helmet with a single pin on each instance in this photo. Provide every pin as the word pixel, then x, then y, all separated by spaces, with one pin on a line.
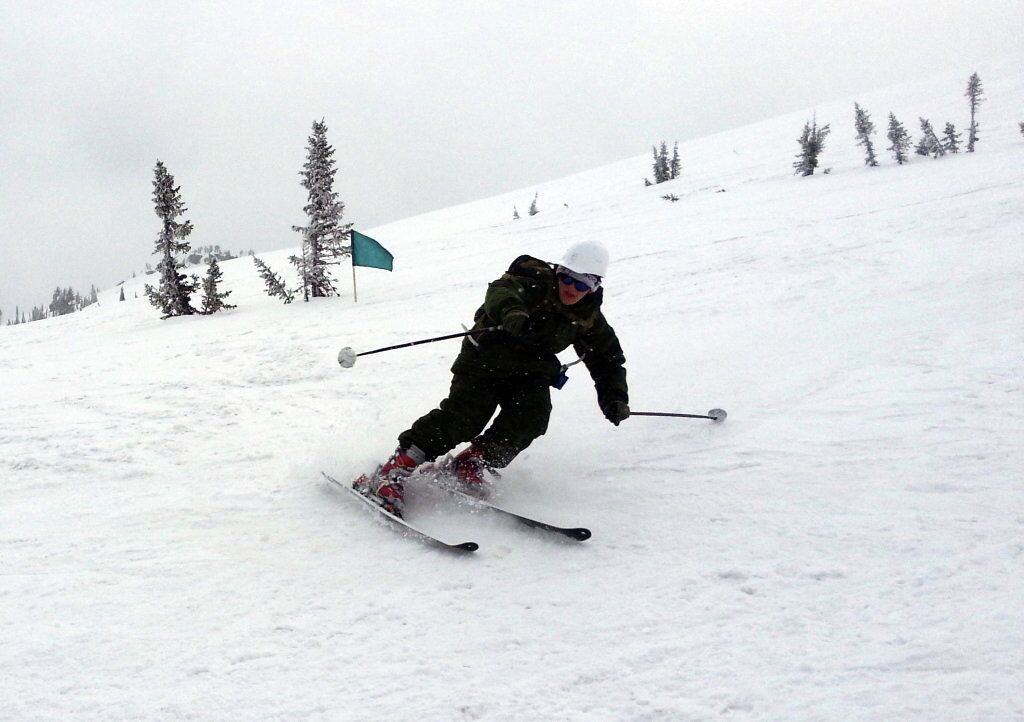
pixel 589 257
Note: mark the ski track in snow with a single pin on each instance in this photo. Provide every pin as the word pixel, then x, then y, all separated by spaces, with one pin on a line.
pixel 848 545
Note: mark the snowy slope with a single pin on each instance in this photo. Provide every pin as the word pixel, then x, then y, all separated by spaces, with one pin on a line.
pixel 848 545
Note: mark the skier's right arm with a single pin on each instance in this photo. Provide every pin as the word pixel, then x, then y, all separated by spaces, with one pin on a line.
pixel 507 301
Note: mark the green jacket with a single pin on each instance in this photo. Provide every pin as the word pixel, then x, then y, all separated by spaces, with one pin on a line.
pixel 531 285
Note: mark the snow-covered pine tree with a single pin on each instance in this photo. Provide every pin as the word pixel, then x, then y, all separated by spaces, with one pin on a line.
pixel 213 300
pixel 323 236
pixel 951 139
pixel 812 142
pixel 865 129
pixel 533 206
pixel 515 213
pixel 664 163
pixel 93 297
pixel 929 141
pixel 676 165
pixel 275 285
pixel 173 296
pixel 659 176
pixel 62 302
pixel 974 94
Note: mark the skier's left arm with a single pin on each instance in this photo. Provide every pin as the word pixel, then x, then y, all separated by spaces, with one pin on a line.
pixel 602 355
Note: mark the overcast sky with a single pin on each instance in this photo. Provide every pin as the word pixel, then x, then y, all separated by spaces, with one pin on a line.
pixel 428 103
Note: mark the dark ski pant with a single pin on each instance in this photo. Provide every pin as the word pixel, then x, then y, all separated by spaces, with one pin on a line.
pixel 525 403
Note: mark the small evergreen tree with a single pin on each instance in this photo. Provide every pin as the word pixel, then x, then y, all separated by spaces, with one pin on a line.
pixel 122 294
pixel 812 142
pixel 951 139
pixel 93 297
pixel 213 300
pixel 974 94
pixel 659 174
pixel 664 168
pixel 324 235
pixel 173 296
pixel 533 206
pixel 1021 127
pixel 647 181
pixel 865 129
pixel 275 285
pixel 515 213
pixel 930 142
pixel 900 140
pixel 61 303
pixel 664 163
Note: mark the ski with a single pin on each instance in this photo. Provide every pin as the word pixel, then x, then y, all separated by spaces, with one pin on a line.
pixel 578 533
pixel 425 536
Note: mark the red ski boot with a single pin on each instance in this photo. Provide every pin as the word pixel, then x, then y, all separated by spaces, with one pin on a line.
pixel 470 468
pixel 386 483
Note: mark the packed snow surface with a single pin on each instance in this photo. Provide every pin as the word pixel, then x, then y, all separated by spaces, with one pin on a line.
pixel 848 545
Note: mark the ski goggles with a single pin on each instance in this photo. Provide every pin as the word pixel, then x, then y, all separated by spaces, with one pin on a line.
pixel 583 286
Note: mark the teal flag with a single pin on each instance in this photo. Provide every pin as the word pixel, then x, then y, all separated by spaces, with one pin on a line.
pixel 367 252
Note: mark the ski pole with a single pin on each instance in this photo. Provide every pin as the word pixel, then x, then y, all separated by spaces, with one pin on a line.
pixel 715 415
pixel 347 356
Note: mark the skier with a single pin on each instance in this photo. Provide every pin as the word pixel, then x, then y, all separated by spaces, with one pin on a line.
pixel 541 308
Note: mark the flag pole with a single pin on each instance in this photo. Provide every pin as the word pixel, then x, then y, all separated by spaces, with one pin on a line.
pixel 352 251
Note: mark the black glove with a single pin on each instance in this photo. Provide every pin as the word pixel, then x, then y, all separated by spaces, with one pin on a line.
pixel 516 323
pixel 616 411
